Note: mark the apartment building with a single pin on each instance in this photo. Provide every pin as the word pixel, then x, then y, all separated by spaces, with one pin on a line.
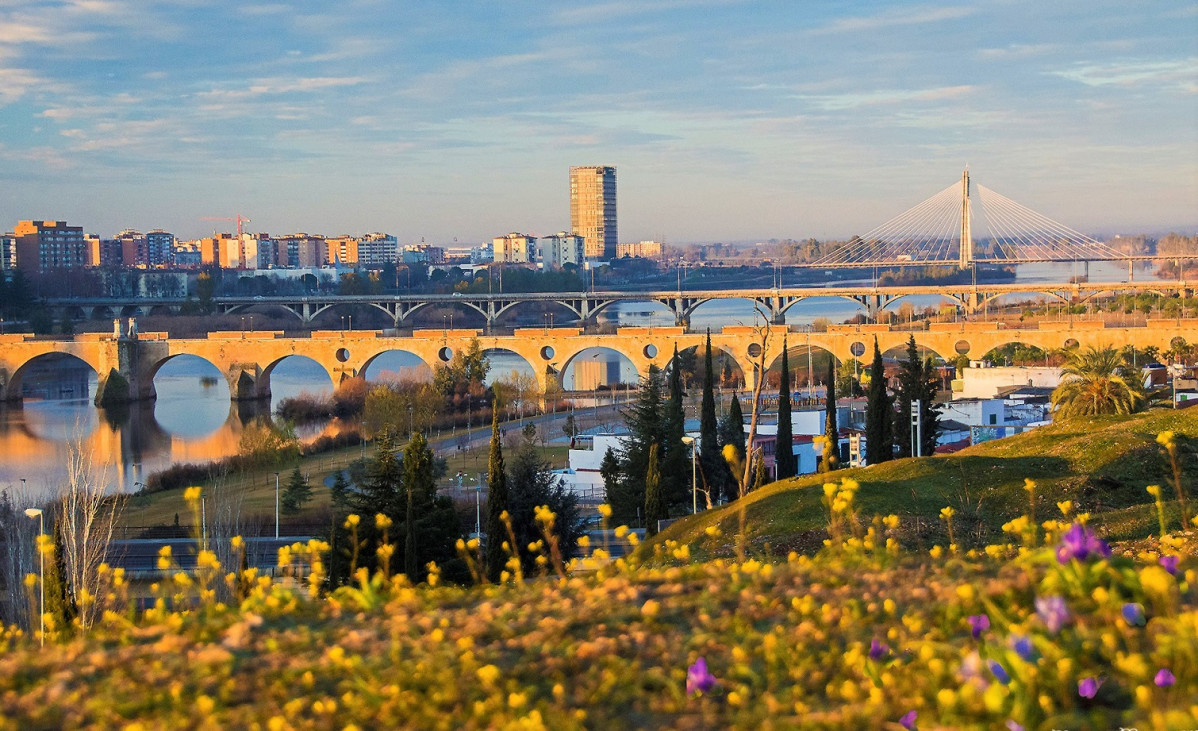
pixel 560 249
pixel 514 248
pixel 593 209
pixel 47 245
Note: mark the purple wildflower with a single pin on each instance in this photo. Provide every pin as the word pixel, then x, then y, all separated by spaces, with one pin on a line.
pixel 908 720
pixel 1024 648
pixel 1170 563
pixel 698 680
pixel 1080 544
pixel 1013 725
pixel 1164 678
pixel 1000 673
pixel 1133 614
pixel 1088 687
pixel 978 623
pixel 1053 612
pixel 878 650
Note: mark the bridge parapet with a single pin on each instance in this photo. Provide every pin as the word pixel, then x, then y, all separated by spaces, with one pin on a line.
pixel 245 334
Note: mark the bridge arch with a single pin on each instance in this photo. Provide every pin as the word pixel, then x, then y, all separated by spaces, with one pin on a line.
pixel 804 302
pixel 266 388
pixel 797 348
pixel 990 297
pixel 14 390
pixel 422 370
pixel 604 306
pixel 726 367
pixel 571 361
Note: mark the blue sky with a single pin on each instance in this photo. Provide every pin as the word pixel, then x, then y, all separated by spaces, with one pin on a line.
pixel 726 120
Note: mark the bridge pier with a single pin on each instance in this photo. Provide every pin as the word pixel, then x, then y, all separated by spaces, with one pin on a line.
pixel 123 372
pixel 247 382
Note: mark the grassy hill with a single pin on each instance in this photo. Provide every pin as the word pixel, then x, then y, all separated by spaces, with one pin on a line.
pixel 1102 464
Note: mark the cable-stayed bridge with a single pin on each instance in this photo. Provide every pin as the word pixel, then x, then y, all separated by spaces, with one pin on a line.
pixel 947 229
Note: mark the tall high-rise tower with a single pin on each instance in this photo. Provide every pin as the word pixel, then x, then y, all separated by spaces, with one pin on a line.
pixel 593 209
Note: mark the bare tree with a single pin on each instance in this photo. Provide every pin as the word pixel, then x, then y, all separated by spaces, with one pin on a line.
pixel 87 516
pixel 18 557
pixel 761 338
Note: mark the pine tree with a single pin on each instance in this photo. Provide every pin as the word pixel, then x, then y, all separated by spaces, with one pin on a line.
pixel 675 482
pixel 908 390
pixel 495 557
pixel 615 486
pixel 929 408
pixel 878 413
pixel 784 459
pixel 655 504
pixel 60 601
pixel 645 428
pixel 295 494
pixel 531 483
pixel 381 491
pixel 339 494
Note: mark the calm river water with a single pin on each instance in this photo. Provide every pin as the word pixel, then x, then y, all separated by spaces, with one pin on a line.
pixel 192 420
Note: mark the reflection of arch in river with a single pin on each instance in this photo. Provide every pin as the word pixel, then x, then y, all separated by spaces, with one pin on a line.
pixel 613 366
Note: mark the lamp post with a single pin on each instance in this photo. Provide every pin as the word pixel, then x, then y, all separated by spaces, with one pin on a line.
pixel 276 505
pixel 478 508
pixel 694 482
pixel 41 556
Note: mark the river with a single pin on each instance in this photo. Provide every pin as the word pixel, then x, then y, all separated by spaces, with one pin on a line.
pixel 192 419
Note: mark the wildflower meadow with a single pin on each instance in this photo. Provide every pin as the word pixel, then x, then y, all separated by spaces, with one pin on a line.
pixel 1049 630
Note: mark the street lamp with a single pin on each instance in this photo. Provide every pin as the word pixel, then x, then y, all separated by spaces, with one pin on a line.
pixel 41 554
pixel 694 482
pixel 478 508
pixel 276 505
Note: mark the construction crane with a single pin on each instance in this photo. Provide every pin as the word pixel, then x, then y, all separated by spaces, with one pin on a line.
pixel 240 219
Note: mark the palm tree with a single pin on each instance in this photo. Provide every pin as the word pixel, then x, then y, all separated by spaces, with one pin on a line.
pixel 1098 381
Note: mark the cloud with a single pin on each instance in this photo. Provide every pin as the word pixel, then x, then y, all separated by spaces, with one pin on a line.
pixel 918 15
pixel 1017 51
pixel 281 85
pixel 1180 74
pixel 884 97
pixel 612 10
pixel 15 82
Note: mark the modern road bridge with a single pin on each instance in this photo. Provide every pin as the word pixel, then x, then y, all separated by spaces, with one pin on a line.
pixel 773 303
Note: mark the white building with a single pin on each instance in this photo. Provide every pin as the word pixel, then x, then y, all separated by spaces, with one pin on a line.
pixel 377 249
pixel 560 249
pixel 514 248
pixel 586 455
pixel 984 381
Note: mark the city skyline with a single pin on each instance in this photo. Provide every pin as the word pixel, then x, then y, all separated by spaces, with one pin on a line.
pixel 727 120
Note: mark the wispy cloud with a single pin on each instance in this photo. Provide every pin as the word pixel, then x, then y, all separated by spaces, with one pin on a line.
pixel 885 97
pixel 281 85
pixel 1017 51
pixel 918 15
pixel 1181 74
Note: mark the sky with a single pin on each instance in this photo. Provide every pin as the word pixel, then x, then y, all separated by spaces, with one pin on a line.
pixel 459 120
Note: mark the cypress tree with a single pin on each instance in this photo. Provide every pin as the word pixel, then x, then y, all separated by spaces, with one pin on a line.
pixel 655 503
pixel 732 430
pixel 60 602
pixel 831 428
pixel 420 485
pixel 878 413
pixel 784 459
pixel 497 498
pixel 674 469
pixel 708 439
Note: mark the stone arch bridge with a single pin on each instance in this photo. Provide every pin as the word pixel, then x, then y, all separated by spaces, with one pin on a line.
pixel 247 358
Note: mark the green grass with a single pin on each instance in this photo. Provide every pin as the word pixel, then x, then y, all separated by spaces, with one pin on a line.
pixel 1102 464
pixel 256 488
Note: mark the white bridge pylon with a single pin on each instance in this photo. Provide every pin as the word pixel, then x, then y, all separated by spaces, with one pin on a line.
pixel 941 230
